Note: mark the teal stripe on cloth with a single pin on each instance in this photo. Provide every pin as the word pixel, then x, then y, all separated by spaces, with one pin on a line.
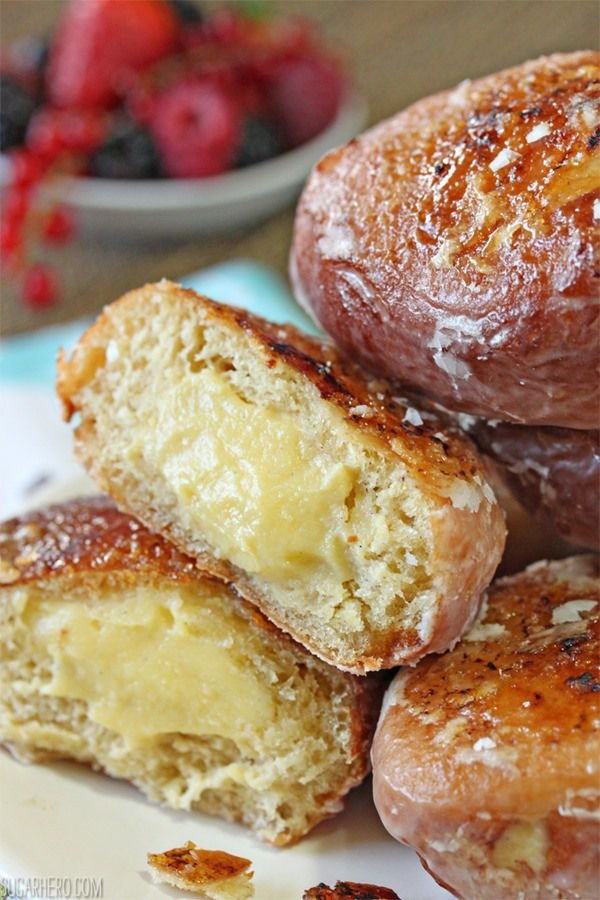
pixel 31 358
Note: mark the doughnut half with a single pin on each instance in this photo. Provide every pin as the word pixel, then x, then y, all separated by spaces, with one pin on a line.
pixel 485 759
pixel 118 652
pixel 456 246
pixel 360 526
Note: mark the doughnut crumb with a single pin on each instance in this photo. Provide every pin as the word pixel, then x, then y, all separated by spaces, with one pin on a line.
pixel 211 874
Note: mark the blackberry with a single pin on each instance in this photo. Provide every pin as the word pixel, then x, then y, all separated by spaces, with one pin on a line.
pixel 261 140
pixel 127 152
pixel 189 12
pixel 16 108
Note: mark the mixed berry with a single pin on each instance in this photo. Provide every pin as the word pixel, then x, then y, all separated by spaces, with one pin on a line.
pixel 146 89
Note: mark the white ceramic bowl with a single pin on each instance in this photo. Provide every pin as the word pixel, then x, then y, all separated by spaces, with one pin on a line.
pixel 179 207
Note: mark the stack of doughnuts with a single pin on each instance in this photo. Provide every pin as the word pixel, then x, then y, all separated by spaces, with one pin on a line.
pixel 286 525
pixel 290 522
pixel 455 249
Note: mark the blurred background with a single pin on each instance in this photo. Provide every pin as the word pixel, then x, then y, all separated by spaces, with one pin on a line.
pixel 396 52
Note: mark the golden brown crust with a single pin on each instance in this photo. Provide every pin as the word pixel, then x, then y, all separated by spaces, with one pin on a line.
pixel 81 537
pixel 553 472
pixel 499 732
pixel 455 246
pixel 199 867
pixel 434 450
pixel 349 890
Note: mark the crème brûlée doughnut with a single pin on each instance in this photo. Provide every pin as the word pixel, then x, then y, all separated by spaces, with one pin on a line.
pixel 485 759
pixel 116 651
pixel 456 246
pixel 360 526
pixel 553 472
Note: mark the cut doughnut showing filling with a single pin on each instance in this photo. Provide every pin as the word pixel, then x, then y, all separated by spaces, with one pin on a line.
pixel 118 652
pixel 361 526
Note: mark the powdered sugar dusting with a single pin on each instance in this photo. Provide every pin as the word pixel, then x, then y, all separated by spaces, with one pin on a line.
pixel 456 368
pixel 413 417
pixel 337 242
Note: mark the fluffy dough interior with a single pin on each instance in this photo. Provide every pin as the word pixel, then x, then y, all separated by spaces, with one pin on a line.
pixel 256 468
pixel 176 689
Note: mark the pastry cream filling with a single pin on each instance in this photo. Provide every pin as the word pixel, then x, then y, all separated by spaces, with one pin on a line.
pixel 149 663
pixel 247 479
pixel 522 842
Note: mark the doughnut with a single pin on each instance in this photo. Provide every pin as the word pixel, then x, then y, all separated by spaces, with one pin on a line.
pixel 485 759
pixel 118 652
pixel 455 247
pixel 359 525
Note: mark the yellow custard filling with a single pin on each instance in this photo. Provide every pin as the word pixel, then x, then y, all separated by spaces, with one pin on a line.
pixel 249 482
pixel 149 664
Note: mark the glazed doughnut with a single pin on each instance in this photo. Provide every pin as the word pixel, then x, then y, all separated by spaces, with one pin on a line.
pixel 455 246
pixel 485 759
pixel 553 472
pixel 528 537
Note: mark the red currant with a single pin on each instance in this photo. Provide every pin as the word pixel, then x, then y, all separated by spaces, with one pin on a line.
pixel 45 135
pixel 59 226
pixel 26 168
pixel 54 131
pixel 15 206
pixel 40 287
pixel 10 238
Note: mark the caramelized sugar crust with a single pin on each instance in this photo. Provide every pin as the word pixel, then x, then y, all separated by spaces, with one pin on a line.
pixel 455 246
pixel 485 758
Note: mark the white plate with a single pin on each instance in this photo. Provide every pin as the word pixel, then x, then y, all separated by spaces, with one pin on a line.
pixel 66 822
pixel 176 207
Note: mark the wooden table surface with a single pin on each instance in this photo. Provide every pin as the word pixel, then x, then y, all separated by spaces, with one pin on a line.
pixel 399 50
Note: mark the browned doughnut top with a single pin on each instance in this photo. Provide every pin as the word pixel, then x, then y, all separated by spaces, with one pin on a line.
pixel 455 246
pixel 85 536
pixel 510 715
pixel 485 759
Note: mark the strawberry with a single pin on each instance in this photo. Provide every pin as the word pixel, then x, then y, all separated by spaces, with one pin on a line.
pixel 304 94
pixel 197 128
pixel 100 41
